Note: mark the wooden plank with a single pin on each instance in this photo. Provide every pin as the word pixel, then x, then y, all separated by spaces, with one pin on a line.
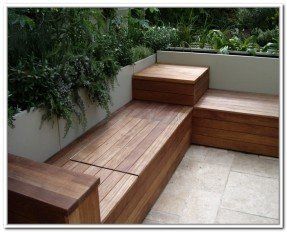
pixel 142 147
pixel 201 87
pixel 122 155
pixel 235 145
pixel 171 73
pixel 98 147
pixel 88 211
pixel 236 117
pixel 180 99
pixel 165 87
pixel 238 136
pixel 237 127
pixel 115 150
pixel 114 202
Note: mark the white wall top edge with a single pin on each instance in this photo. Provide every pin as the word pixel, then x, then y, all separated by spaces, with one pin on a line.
pixel 231 72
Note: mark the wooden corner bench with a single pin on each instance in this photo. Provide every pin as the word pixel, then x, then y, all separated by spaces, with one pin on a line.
pixel 131 156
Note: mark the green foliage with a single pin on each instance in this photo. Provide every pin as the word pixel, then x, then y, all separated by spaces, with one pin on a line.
pixel 263 18
pixel 62 51
pixel 55 52
pixel 140 52
pixel 268 36
pixel 224 29
pixel 160 37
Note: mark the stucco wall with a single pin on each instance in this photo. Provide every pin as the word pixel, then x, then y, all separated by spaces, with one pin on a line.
pixel 231 72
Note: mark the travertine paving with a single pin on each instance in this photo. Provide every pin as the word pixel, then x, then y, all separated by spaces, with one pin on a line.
pixel 216 186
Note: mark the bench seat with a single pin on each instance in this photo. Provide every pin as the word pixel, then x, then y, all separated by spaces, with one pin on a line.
pixel 134 154
pixel 247 122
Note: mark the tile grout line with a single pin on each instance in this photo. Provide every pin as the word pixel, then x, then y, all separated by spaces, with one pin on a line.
pixel 222 194
pixel 249 213
pixel 252 174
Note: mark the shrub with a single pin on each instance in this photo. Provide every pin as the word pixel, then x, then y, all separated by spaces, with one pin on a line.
pixel 55 52
pixel 264 18
pixel 160 37
pixel 267 36
pixel 140 52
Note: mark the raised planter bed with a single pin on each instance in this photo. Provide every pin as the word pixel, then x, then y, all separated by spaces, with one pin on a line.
pixel 28 140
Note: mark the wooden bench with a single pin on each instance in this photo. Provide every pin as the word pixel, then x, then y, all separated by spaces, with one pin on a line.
pixel 239 121
pixel 134 154
pixel 167 83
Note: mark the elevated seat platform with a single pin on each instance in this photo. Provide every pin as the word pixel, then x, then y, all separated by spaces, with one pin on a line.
pixel 247 122
pixel 167 83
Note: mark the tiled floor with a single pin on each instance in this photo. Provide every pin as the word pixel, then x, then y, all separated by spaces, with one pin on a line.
pixel 215 186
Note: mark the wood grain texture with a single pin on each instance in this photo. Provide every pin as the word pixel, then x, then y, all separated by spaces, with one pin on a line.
pixel 238 136
pixel 172 98
pixel 182 85
pixel 236 117
pixel 164 87
pixel 235 145
pixel 137 141
pixel 113 188
pixel 201 86
pixel 153 137
pixel 236 127
pixel 237 102
pixel 153 181
pixel 239 121
pixel 88 211
pixel 46 193
pixel 172 73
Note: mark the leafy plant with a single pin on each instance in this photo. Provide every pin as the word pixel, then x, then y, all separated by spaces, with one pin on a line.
pixel 160 37
pixel 76 52
pixel 140 52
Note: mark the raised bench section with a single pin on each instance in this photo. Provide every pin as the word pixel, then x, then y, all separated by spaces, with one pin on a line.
pixel 239 121
pixel 175 84
pixel 140 147
pixel 42 193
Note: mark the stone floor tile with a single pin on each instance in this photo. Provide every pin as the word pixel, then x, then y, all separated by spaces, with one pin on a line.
pixel 219 156
pixel 163 217
pixel 253 164
pixel 150 222
pixel 201 176
pixel 201 208
pixel 170 202
pixel 226 216
pixel 252 194
pixel 196 153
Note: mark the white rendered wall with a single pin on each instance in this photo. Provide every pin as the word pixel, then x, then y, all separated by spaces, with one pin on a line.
pixel 231 72
pixel 28 140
